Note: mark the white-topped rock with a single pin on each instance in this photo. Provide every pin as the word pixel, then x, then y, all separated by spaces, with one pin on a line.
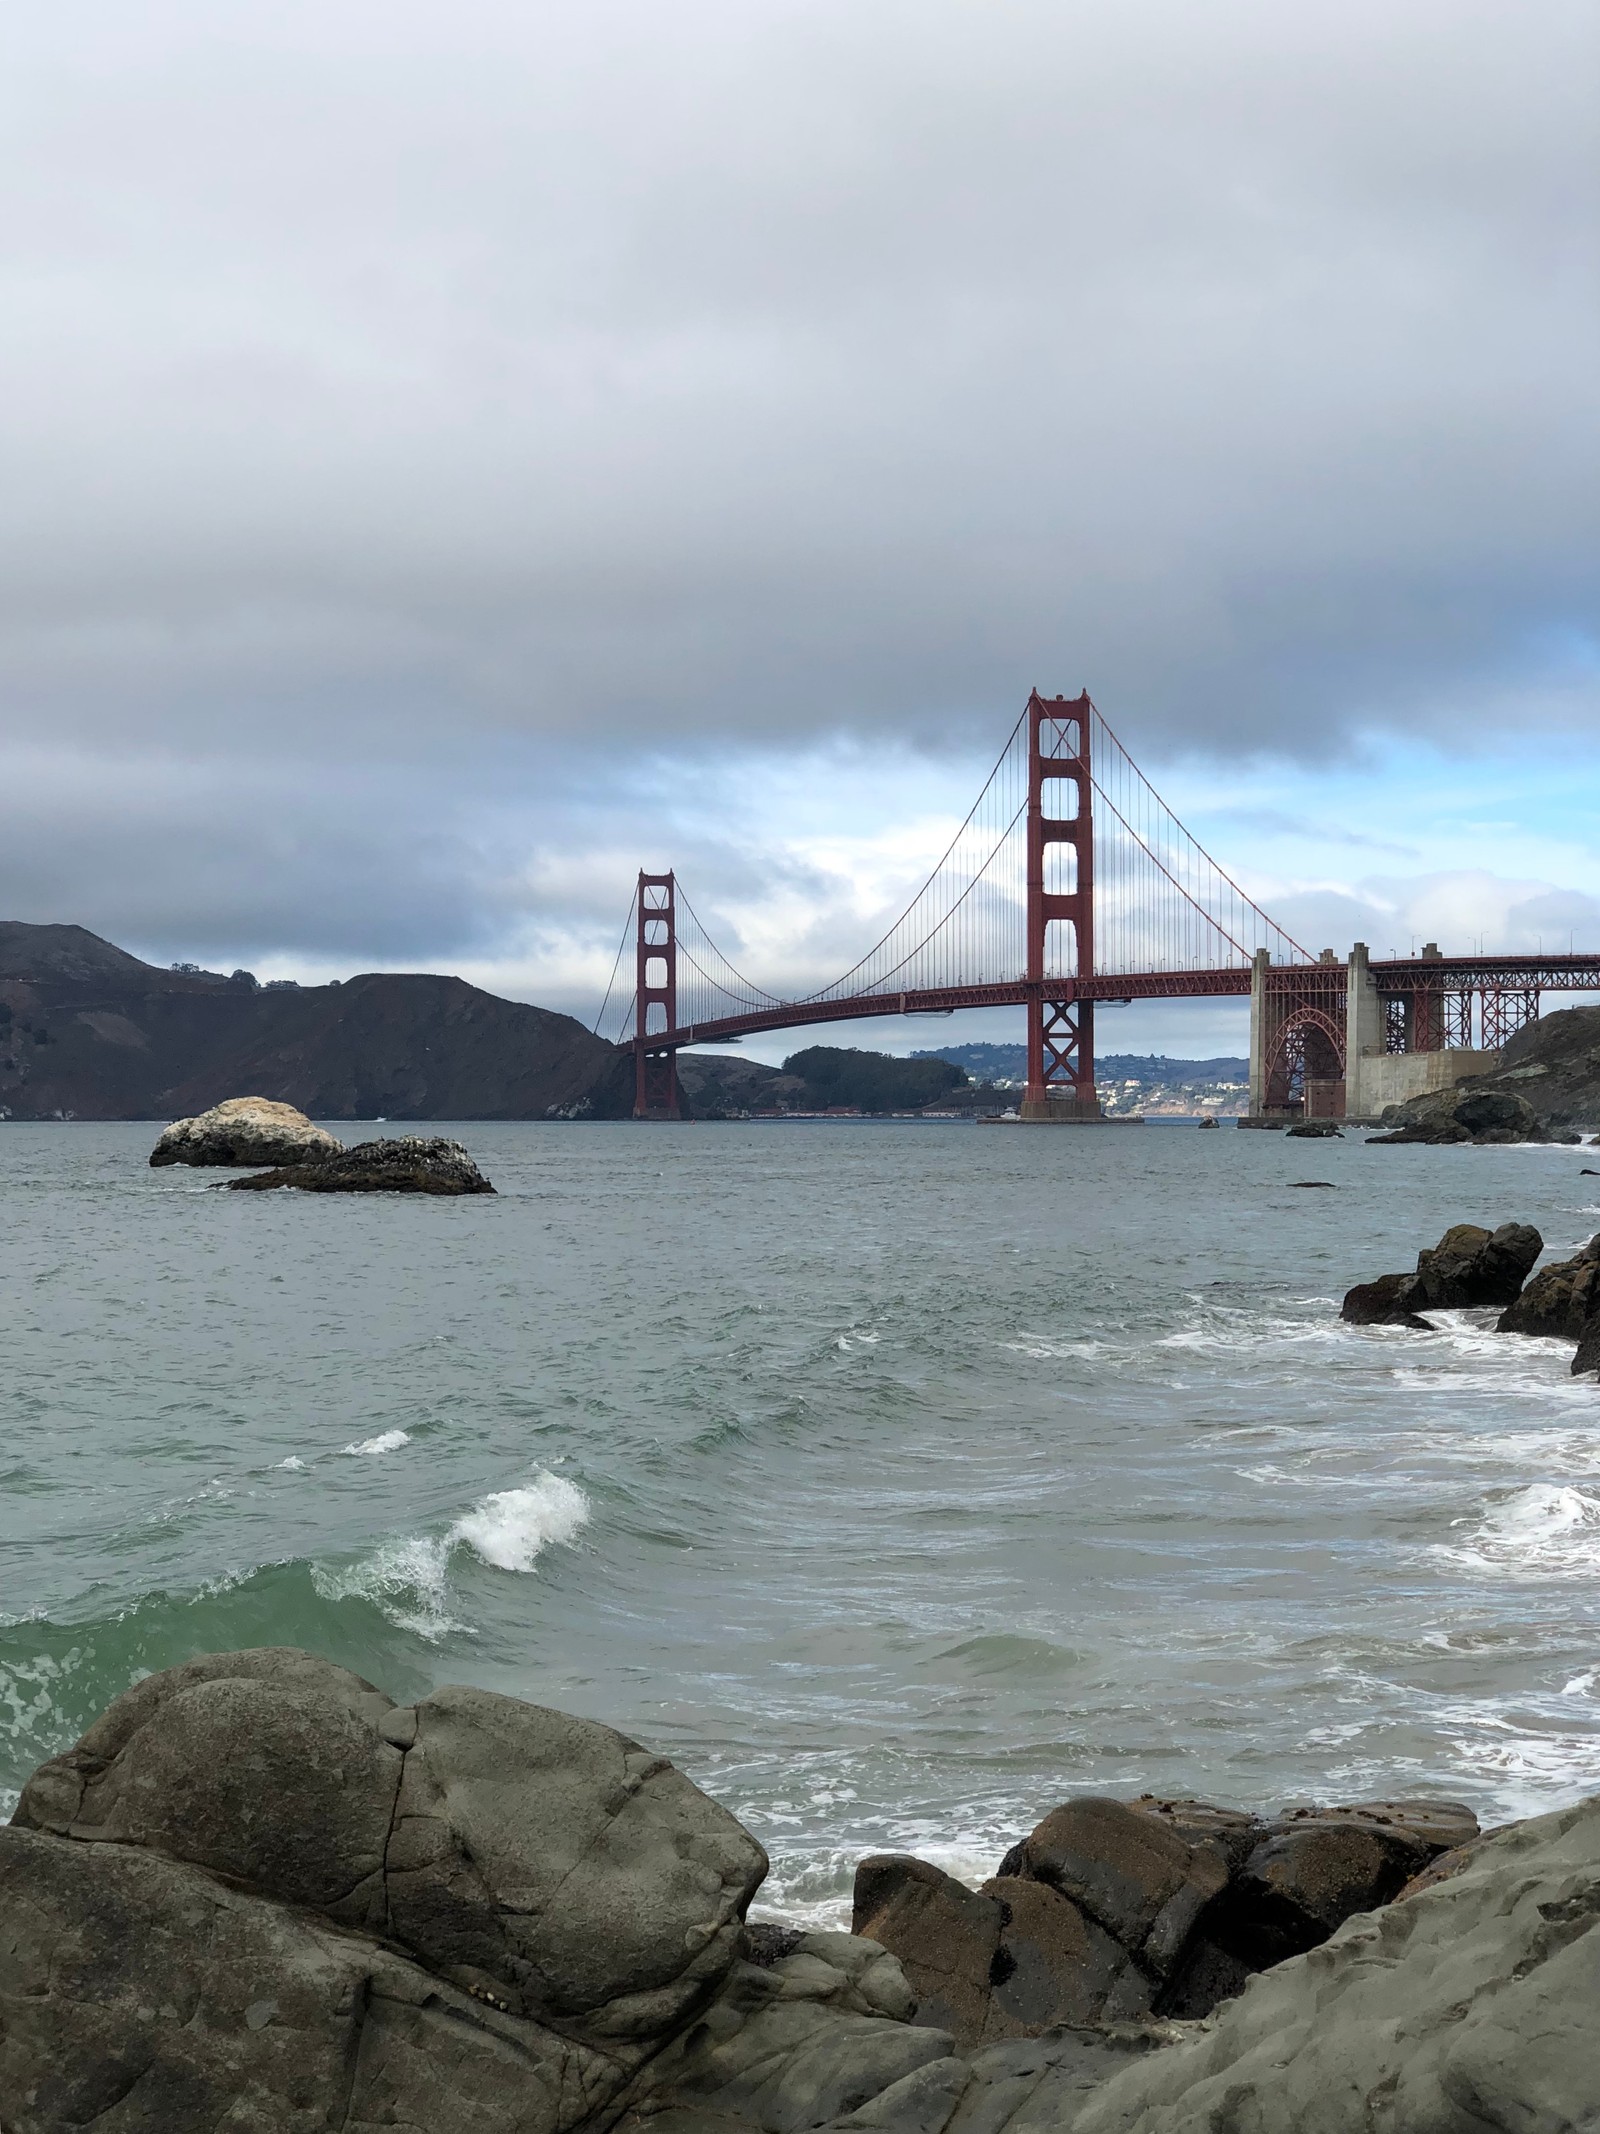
pixel 244 1131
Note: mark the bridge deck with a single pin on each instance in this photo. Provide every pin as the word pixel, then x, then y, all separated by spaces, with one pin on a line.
pixel 1553 974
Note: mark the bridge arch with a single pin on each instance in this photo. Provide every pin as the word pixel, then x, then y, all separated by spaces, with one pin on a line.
pixel 1308 1047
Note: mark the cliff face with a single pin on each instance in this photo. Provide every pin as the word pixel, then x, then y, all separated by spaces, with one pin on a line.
pixel 1555 1064
pixel 90 1032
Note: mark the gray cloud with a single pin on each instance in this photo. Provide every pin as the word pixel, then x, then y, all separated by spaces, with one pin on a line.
pixel 419 398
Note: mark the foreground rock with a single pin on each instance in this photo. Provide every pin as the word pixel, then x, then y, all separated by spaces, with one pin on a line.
pixel 260 1896
pixel 407 1164
pixel 1468 1266
pixel 245 1130
pixel 1115 1910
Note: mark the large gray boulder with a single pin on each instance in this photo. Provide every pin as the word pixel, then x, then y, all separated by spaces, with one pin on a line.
pixel 142 1996
pixel 243 1131
pixel 542 1866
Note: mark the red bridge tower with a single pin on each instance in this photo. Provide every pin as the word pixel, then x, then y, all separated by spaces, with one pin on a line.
pixel 655 1068
pixel 1060 895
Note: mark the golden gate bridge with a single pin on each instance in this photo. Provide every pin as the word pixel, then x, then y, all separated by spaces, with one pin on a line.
pixel 1071 882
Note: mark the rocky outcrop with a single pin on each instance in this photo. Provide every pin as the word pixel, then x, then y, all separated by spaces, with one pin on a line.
pixel 1458 2011
pixel 245 1130
pixel 407 1164
pixel 1468 1112
pixel 1560 1300
pixel 1117 1910
pixel 258 1895
pixel 1468 1266
pixel 261 1892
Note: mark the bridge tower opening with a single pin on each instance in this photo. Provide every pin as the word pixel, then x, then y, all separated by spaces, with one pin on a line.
pixel 655 1066
pixel 1060 921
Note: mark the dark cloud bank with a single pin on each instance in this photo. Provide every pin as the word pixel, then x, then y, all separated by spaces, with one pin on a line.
pixel 414 414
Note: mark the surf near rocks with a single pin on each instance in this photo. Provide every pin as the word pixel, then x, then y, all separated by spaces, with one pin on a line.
pixel 1472 1266
pixel 257 1892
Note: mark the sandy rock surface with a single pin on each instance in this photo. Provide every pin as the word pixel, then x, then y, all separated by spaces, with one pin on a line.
pixel 242 1131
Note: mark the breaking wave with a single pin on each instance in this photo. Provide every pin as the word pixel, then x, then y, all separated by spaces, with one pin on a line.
pixel 1548 1530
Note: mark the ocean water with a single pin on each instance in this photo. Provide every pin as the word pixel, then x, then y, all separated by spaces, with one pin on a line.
pixel 896 1480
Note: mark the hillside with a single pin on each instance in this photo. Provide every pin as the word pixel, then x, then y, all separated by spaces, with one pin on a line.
pixel 90 1032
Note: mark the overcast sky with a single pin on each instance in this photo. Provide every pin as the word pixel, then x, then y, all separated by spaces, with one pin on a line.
pixel 456 455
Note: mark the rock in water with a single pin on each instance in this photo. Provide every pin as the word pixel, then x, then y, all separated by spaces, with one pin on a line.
pixel 245 1130
pixel 407 1164
pixel 1560 1300
pixel 1468 1266
pixel 1463 1114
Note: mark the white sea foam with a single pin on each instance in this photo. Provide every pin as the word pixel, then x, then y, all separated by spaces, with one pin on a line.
pixel 408 1578
pixel 385 1441
pixel 1548 1530
pixel 510 1528
pixel 405 1578
pixel 293 1461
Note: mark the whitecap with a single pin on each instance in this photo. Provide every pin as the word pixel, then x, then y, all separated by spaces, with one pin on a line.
pixel 292 1462
pixel 408 1578
pixel 385 1441
pixel 510 1528
pixel 405 1578
pixel 1548 1530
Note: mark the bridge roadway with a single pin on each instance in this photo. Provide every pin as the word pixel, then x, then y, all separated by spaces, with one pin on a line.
pixel 1396 975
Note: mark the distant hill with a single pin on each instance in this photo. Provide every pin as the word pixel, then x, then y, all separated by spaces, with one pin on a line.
pixel 90 1032
pixel 987 1063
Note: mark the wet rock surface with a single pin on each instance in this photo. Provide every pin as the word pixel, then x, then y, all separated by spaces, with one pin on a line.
pixel 1465 1113
pixel 258 1895
pixel 1560 1300
pixel 409 1163
pixel 242 1131
pixel 1111 1910
pixel 1469 1266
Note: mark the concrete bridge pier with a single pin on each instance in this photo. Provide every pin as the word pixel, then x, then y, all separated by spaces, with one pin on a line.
pixel 1345 1047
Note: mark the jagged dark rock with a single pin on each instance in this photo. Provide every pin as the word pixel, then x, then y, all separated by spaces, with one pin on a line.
pixel 1469 1266
pixel 408 1164
pixel 1469 1112
pixel 1385 1302
pixel 1313 1130
pixel 1559 1300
